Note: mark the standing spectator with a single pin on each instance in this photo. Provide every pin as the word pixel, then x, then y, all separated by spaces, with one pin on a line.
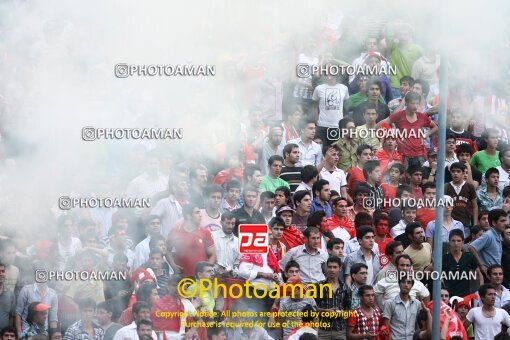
pixel 487 319
pixel 451 145
pixel 291 124
pixel 397 232
pixel 411 122
pixel 7 301
pixel 141 311
pixel 291 237
pixel 388 155
pixel 464 154
pixel 8 258
pixel 155 263
pixel 309 175
pixel 363 114
pixel 271 146
pixel 37 317
pixel 355 175
pixel 104 318
pixel 347 144
pixel 211 215
pixel 381 238
pixel 490 196
pixel 142 250
pixel 328 102
pixel 449 224
pixel 488 158
pixel 276 228
pixel 504 168
pixel 488 248
pixel 118 244
pixel 429 168
pixel 397 104
pixel 309 256
pixel 204 301
pixel 402 52
pixel 168 209
pixel 427 209
pixel 267 199
pixel 293 304
pixel 419 250
pixel 400 312
pixel 226 245
pixel 188 235
pixel 463 194
pixel 415 179
pixel 67 245
pixel 393 250
pixel 117 292
pixel 303 202
pixel 252 176
pixel 197 184
pixel 372 173
pixel 339 223
pixel 273 180
pixel 247 214
pixel 457 129
pixel 495 274
pixel 365 254
pixel 390 186
pixel 41 293
pixel 335 176
pixel 321 194
pixel 231 200
pixel 85 328
pixel 233 168
pixel 291 173
pixel 310 152
pixel 388 287
pixel 368 319
pixel 144 330
pixel 359 274
pixel 327 301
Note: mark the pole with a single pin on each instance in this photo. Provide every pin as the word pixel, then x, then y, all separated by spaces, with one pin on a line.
pixel 441 155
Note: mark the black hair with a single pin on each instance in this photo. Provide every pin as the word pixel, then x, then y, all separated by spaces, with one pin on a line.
pixel 9 329
pixel 456 232
pixel 491 171
pixel 356 267
pixel 233 184
pixel 411 96
pixel 287 149
pixel 458 166
pixel 369 167
pixel 334 241
pixel 286 191
pixel 411 227
pixel 308 173
pixel 428 185
pixel 291 264
pixel 364 288
pixel 492 267
pixel 363 147
pixel 464 148
pixel 266 195
pixel 401 188
pixel 399 167
pixel 495 215
pixel 482 291
pixel 315 219
pixel 425 87
pixel 309 230
pixel 342 123
pixel 139 305
pixel 143 322
pixel 278 221
pixel 363 230
pixel 390 247
pixel 106 305
pixel 334 259
pixel 317 186
pixel 187 210
pixel 249 170
pixel 144 292
pixel 363 219
pixel 227 215
pixel 307 313
pixel 212 331
pixel 274 158
pixel 502 154
pixel 299 195
pixel 403 256
pixel 413 169
pixel 200 267
pixel 407 79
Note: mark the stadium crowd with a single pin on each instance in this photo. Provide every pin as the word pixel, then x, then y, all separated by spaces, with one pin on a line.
pixel 344 207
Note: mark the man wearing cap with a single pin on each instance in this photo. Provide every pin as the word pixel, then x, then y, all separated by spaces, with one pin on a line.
pixel 291 237
pixel 36 318
pixel 38 291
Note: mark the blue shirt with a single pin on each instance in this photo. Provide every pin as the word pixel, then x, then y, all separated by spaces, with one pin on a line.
pixel 431 227
pixel 316 206
pixel 489 247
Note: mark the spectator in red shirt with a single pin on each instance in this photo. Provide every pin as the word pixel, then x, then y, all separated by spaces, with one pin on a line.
pixel 382 237
pixel 388 155
pixel 355 175
pixel 192 244
pixel 412 122
pixel 427 210
pixel 291 237
pixel 339 222
pixel 415 176
pixel 233 169
pixel 368 318
pixel 389 189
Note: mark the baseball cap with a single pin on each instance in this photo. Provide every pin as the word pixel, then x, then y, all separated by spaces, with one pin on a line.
pixel 285 208
pixel 41 307
pixel 431 152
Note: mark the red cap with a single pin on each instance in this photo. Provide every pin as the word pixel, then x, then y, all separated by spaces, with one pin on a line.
pixel 466 301
pixel 140 275
pixel 41 307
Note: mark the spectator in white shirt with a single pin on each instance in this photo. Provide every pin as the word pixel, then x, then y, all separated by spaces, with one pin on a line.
pixel 226 244
pixel 168 209
pixel 141 311
pixel 311 152
pixel 142 250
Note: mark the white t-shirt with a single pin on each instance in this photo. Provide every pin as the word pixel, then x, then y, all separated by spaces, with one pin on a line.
pixel 487 328
pixel 504 178
pixel 331 103
pixel 342 234
pixel 336 179
pixel 370 277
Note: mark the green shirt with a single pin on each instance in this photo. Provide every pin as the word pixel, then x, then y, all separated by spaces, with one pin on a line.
pixel 347 156
pixel 402 57
pixel 206 297
pixel 356 99
pixel 483 162
pixel 269 184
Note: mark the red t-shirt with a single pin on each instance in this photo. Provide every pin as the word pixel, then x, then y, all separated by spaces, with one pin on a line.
pixel 190 247
pixel 424 216
pixel 335 221
pixel 354 176
pixel 417 192
pixel 389 193
pixel 385 158
pixel 384 259
pixel 412 145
